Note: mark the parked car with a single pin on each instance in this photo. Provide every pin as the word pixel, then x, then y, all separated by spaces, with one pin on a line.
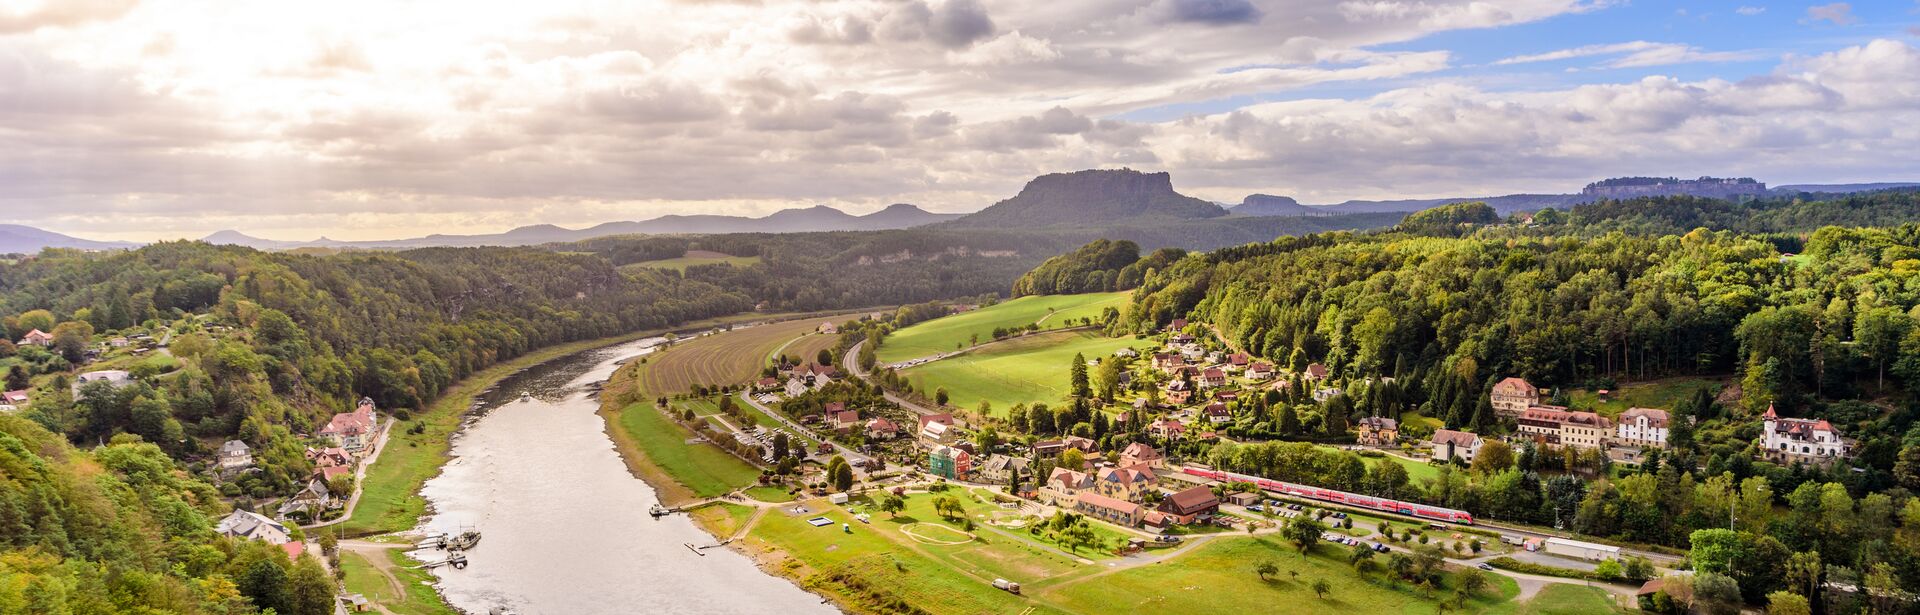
pixel 1485 566
pixel 1256 508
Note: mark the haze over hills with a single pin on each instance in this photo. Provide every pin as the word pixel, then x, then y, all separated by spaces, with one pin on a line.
pixel 1269 205
pixel 1095 196
pixel 15 238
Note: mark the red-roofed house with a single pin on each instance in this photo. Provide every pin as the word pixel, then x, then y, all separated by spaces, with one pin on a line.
pixel 1109 509
pixel 846 420
pixel 16 398
pixel 1260 371
pixel 1167 428
pixel 1213 377
pixel 1218 414
pixel 1187 506
pixel 353 431
pixel 1813 441
pixel 1063 487
pixel 37 337
pixel 1140 453
pixel 1513 396
pixel 1126 483
pixel 1316 371
pixel 882 429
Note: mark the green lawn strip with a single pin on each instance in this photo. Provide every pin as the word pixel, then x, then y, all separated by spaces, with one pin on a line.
pixel 1219 577
pixel 927 576
pixel 1562 599
pixel 1663 394
pixel 948 333
pixel 706 470
pixel 772 423
pixel 722 519
pixel 683 262
pixel 699 405
pixel 921 506
pixel 769 494
pixel 1026 370
pixel 418 597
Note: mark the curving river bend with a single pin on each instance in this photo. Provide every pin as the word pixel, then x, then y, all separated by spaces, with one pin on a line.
pixel 564 526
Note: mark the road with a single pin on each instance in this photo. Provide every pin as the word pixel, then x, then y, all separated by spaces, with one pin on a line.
pixel 360 475
pixel 852 362
pixel 851 455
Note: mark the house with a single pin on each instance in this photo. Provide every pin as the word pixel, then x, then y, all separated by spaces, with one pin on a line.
pixel 116 377
pixel 1238 361
pixel 1109 509
pixel 796 386
pixel 1326 393
pixel 882 429
pixel 1557 426
pixel 1788 440
pixel 1168 361
pixel 1000 469
pixel 1260 371
pixel 937 428
pixel 1049 448
pixel 1213 377
pixel 234 455
pixel 1226 395
pixel 1315 371
pixel 1176 392
pixel 18 398
pixel 1190 505
pixel 1513 396
pixel 1063 487
pixel 950 463
pixel 767 384
pixel 828 372
pixel 1449 444
pixel 1177 324
pixel 1182 338
pixel 846 421
pixel 294 549
pixel 329 473
pixel 828 328
pixel 118 342
pixel 1217 413
pixel 1378 431
pixel 1126 352
pixel 329 457
pixel 1168 429
pixel 252 526
pixel 353 431
pixel 37 337
pixel 1139 453
pixel 313 499
pixel 1126 483
pixel 1643 427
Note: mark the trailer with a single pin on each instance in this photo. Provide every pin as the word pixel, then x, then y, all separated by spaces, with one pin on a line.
pixel 1356 500
pixel 1008 586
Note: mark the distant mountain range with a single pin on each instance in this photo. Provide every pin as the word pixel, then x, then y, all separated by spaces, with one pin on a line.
pixel 1109 198
pixel 15 238
pixel 1097 196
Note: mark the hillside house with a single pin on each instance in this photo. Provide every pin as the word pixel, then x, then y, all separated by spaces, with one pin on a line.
pixel 1449 444
pixel 235 456
pixel 1000 469
pixel 17 398
pixel 1063 487
pixel 1315 371
pixel 37 337
pixel 1556 426
pixel 1168 361
pixel 1139 453
pixel 1192 504
pixel 1643 427
pixel 1212 377
pixel 253 526
pixel 329 457
pixel 767 384
pixel 950 463
pixel 795 387
pixel 1167 429
pixel 1513 396
pixel 353 431
pixel 1378 431
pixel 1788 440
pixel 846 421
pixel 1110 509
pixel 1260 371
pixel 937 429
pixel 1176 392
pixel 1217 413
pixel 1239 361
pixel 314 499
pixel 882 429
pixel 1177 324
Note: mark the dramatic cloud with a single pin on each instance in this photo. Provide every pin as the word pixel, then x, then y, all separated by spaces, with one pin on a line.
pixel 371 119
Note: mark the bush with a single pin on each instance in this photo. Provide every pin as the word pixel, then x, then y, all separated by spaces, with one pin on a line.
pixel 1508 563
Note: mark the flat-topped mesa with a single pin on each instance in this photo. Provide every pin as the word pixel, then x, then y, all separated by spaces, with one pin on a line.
pixel 1094 196
pixel 1714 187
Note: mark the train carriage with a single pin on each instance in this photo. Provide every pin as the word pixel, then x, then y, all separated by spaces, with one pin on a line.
pixel 1341 497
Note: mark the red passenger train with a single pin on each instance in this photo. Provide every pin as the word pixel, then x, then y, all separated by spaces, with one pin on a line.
pixel 1350 499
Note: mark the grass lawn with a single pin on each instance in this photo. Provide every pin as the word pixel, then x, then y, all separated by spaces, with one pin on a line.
pixel 949 332
pixel 705 470
pixel 1563 599
pixel 1415 418
pixel 415 597
pixel 1034 368
pixel 770 494
pixel 695 258
pixel 1663 394
pixel 807 347
pixel 722 519
pixel 1219 577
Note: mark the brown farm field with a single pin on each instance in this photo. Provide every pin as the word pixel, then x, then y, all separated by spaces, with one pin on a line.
pixel 732 357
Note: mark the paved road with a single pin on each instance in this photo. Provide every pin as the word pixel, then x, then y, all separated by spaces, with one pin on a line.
pixel 853 367
pixel 360 475
pixel 850 454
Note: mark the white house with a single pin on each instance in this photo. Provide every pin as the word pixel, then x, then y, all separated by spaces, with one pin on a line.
pixel 1643 427
pixel 235 455
pixel 1813 441
pixel 1448 443
pixel 253 526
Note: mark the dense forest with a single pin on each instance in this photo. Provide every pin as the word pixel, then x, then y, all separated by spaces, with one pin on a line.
pixel 1100 266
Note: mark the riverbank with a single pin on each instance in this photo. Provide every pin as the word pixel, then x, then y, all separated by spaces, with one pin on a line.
pixel 390 492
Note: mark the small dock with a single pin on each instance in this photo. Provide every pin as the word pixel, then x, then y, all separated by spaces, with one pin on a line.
pixel 456 559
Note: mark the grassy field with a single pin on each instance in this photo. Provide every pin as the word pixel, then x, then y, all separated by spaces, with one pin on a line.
pixel 732 357
pixel 1562 599
pixel 1663 394
pixel 695 258
pixel 706 471
pixel 416 597
pixel 1219 578
pixel 1030 369
pixel 722 519
pixel 390 500
pixel 948 333
pixel 807 347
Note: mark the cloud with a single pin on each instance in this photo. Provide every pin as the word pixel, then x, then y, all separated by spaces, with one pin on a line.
pixel 1750 11
pixel 1838 13
pixel 62 14
pixel 1633 54
pixel 1214 12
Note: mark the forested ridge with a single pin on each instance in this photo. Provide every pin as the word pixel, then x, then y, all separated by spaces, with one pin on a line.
pixel 263 348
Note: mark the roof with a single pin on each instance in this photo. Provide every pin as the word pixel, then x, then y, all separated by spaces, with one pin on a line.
pixel 294 549
pixel 332 472
pixel 1316 370
pixel 1100 501
pixel 1457 438
pixel 880 423
pixel 1213 373
pixel 834 407
pixel 247 524
pixel 1520 384
pixel 1594 546
pixel 1380 422
pixel 1193 499
pixel 846 417
pixel 19 396
pixel 1137 473
pixel 1218 409
pixel 1239 358
pixel 351 423
pixel 234 447
pixel 1652 586
pixel 1069 478
pixel 1140 450
pixel 942 418
pixel 1654 415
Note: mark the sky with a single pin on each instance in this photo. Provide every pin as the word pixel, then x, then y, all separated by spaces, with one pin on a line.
pixel 379 119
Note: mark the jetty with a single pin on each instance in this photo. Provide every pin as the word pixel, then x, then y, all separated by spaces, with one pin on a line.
pixel 455 559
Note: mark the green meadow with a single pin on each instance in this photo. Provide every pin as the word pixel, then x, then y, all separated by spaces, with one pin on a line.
pixel 952 332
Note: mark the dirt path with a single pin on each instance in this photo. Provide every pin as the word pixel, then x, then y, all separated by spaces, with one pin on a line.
pixel 376 555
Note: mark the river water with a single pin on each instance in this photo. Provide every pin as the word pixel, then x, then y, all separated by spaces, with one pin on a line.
pixel 564 526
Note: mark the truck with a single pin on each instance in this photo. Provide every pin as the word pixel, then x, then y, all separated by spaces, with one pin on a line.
pixel 1010 586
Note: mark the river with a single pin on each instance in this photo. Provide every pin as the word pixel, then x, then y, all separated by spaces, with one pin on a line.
pixel 564 525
